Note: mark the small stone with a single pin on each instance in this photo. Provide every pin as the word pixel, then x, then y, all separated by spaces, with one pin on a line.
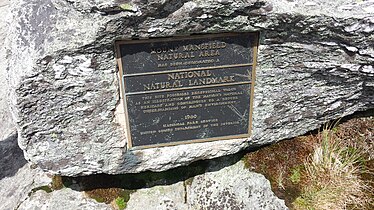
pixel 66 60
pixel 352 28
pixel 352 49
pixel 352 67
pixel 59 70
pixel 310 3
pixel 203 16
pixel 129 7
pixel 368 69
pixel 347 7
pixel 151 30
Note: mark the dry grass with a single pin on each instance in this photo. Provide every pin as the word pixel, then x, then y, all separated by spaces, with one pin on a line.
pixel 333 176
pixel 281 164
pixel 332 169
pixel 104 195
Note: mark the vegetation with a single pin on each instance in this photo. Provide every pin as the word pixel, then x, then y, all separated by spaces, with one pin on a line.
pixel 46 189
pixel 296 175
pixel 57 183
pixel 117 197
pixel 282 163
pixel 332 177
pixel 331 169
pixel 121 203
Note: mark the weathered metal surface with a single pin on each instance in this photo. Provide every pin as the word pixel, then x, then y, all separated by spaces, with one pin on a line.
pixel 191 89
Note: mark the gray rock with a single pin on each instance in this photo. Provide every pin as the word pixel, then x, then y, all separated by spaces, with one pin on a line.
pixel 6 122
pixel 15 190
pixel 11 157
pixel 17 177
pixel 159 197
pixel 315 63
pixel 64 199
pixel 224 186
pixel 221 187
pixel 233 187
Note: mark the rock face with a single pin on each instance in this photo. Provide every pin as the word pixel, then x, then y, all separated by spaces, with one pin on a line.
pixel 17 178
pixel 61 200
pixel 315 63
pixel 223 186
pixel 159 197
pixel 6 126
pixel 234 188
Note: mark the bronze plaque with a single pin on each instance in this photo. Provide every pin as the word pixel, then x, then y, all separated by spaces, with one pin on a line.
pixel 187 89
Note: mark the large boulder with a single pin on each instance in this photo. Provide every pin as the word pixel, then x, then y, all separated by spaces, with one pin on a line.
pixel 17 179
pixel 315 63
pixel 6 126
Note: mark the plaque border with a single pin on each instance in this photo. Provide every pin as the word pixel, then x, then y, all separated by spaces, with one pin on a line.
pixel 117 44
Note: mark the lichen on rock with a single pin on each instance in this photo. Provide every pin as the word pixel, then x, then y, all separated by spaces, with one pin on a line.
pixel 315 63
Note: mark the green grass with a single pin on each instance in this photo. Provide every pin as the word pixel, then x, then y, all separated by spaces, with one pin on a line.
pixel 46 189
pixel 121 203
pixel 296 175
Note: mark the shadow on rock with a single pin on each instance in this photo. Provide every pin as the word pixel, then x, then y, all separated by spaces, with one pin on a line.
pixel 149 179
pixel 11 157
